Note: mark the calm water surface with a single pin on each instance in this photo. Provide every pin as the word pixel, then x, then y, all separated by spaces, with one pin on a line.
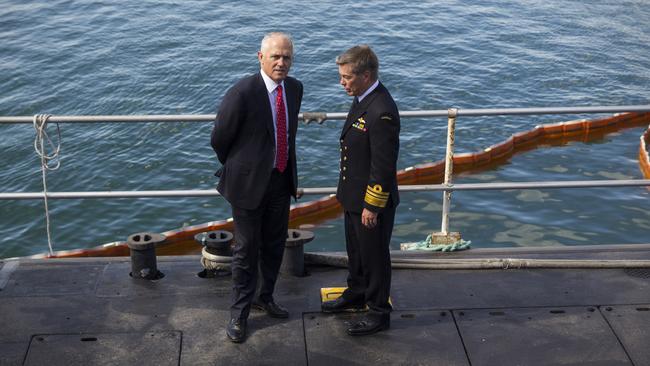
pixel 172 57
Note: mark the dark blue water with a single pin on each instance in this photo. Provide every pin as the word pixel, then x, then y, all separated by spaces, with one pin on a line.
pixel 169 57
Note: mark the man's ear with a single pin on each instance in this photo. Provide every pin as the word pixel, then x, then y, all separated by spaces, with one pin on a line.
pixel 366 77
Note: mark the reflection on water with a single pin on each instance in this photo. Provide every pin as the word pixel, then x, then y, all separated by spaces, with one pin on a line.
pixel 532 196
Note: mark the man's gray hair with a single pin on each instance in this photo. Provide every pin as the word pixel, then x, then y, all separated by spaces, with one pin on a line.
pixel 271 35
pixel 362 59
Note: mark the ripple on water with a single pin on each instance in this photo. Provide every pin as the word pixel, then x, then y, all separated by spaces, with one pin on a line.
pixel 123 57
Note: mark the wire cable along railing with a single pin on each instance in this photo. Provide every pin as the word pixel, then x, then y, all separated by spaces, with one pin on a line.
pixel 323 116
pixel 408 179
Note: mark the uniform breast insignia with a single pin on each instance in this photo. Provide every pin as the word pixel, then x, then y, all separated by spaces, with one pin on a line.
pixel 360 124
pixel 376 196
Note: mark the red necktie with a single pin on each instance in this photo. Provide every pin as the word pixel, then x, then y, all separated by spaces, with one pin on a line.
pixel 281 132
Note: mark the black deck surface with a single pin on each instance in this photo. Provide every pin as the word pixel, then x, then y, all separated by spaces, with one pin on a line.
pixel 90 312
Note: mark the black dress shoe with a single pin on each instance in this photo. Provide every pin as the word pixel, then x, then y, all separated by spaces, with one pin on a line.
pixel 339 305
pixel 236 330
pixel 272 309
pixel 370 324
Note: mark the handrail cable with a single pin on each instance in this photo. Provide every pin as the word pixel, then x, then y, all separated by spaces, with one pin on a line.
pixel 323 116
pixel 332 190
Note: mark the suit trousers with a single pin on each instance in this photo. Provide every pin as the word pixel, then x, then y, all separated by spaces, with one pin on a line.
pixel 260 237
pixel 369 260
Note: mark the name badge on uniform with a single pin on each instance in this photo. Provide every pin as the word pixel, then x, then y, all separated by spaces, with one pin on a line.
pixel 360 124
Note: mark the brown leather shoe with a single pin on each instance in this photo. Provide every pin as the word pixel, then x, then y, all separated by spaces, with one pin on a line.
pixel 272 309
pixel 340 304
pixel 236 330
pixel 371 323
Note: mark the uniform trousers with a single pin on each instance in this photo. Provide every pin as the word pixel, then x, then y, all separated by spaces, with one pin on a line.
pixel 369 260
pixel 260 236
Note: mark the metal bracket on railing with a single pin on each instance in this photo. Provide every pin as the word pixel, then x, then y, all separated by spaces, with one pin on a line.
pixel 318 117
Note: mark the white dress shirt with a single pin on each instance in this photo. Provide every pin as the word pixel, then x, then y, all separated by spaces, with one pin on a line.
pixel 372 87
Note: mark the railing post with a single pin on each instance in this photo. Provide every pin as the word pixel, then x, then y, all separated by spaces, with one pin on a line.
pixel 444 237
pixel 449 168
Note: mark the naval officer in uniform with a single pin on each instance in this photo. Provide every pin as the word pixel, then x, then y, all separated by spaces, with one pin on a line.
pixel 254 137
pixel 367 189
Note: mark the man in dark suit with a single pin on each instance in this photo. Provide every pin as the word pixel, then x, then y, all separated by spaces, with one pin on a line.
pixel 254 136
pixel 367 190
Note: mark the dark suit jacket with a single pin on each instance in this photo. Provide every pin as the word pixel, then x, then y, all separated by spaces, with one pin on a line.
pixel 244 139
pixel 369 149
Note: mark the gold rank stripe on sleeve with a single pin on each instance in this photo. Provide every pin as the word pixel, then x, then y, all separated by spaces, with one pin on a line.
pixel 375 196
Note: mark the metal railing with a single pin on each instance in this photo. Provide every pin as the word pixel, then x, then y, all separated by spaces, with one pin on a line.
pixel 332 190
pixel 311 116
pixel 320 117
pixel 323 116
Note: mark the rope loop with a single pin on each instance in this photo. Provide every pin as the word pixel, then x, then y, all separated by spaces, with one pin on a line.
pixel 48 162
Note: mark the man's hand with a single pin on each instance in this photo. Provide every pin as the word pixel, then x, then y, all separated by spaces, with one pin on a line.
pixel 368 218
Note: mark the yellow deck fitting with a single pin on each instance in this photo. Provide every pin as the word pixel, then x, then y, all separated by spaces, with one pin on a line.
pixel 333 293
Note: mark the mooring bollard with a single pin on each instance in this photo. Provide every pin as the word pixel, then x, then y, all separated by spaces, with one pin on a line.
pixel 217 241
pixel 293 261
pixel 216 254
pixel 143 255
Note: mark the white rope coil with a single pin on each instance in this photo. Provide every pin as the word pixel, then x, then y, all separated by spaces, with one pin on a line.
pixel 213 262
pixel 49 161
